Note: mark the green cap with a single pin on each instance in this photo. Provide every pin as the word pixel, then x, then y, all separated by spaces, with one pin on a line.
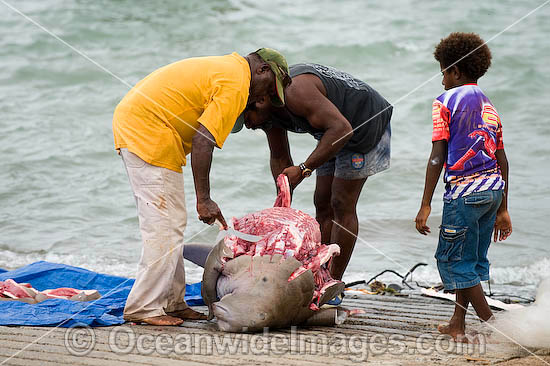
pixel 278 65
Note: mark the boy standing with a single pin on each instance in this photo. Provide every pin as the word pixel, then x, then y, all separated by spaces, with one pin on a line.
pixel 467 139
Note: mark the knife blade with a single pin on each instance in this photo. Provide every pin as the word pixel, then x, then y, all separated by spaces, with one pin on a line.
pixel 230 231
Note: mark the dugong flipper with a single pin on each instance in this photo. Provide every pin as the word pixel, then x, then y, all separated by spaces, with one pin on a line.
pixel 331 292
pixel 212 268
pixel 327 317
pixel 197 253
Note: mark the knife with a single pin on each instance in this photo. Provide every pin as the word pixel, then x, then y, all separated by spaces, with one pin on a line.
pixel 230 231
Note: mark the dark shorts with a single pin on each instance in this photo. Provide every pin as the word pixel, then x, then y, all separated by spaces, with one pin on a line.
pixel 464 238
pixel 353 165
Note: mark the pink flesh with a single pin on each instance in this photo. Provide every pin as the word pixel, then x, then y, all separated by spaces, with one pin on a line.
pixel 283 198
pixel 12 289
pixel 289 232
pixel 62 292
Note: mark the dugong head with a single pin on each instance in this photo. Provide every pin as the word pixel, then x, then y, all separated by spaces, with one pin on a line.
pixel 255 293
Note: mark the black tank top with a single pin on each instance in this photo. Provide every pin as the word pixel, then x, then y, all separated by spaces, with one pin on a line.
pixel 356 100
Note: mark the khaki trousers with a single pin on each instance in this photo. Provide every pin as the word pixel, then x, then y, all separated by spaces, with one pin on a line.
pixel 160 200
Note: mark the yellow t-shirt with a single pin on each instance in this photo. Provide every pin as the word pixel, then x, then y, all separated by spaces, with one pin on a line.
pixel 158 117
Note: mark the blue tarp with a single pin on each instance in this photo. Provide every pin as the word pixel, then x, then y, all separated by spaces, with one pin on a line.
pixel 66 313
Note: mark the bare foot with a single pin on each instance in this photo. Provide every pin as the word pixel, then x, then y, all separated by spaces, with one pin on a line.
pixel 188 314
pixel 455 332
pixel 162 320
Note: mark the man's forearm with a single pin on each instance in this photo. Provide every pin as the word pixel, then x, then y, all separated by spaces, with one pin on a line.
pixel 278 165
pixel 201 160
pixel 279 151
pixel 331 142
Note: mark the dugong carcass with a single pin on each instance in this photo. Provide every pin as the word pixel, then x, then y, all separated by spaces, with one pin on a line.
pixel 278 281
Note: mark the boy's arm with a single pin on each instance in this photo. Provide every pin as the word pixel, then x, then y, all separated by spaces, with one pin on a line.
pixel 433 171
pixel 503 223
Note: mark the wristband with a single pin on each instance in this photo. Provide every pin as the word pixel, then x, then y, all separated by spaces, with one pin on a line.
pixel 306 172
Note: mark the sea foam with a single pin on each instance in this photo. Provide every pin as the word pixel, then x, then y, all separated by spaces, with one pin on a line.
pixel 530 326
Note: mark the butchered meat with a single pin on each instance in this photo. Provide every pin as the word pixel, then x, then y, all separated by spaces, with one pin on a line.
pixel 289 232
pixel 11 290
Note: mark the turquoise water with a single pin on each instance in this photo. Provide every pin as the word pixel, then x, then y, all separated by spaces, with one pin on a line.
pixel 64 195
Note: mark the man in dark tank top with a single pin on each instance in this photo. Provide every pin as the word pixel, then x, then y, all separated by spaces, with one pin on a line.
pixel 351 122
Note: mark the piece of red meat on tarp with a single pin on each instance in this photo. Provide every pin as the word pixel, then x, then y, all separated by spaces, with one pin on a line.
pixel 11 290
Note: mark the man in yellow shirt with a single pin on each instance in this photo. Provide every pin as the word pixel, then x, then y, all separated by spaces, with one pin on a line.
pixel 187 107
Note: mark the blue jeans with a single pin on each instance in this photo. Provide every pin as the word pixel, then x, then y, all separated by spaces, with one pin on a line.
pixel 464 238
pixel 353 165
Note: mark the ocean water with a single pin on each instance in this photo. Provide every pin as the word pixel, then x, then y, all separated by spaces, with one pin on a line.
pixel 64 194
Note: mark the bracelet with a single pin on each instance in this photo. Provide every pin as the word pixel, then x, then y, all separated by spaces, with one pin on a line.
pixel 306 172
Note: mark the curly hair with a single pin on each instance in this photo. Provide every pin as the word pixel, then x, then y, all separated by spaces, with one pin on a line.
pixel 477 56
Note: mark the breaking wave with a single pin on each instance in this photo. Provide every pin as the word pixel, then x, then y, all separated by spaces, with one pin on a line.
pixel 527 277
pixel 11 260
pixel 524 278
